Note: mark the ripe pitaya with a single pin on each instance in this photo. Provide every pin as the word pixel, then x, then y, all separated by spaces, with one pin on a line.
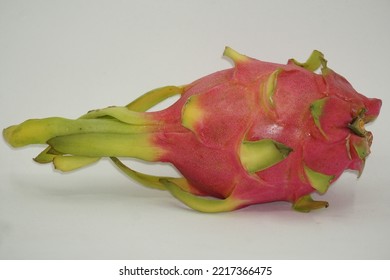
pixel 256 133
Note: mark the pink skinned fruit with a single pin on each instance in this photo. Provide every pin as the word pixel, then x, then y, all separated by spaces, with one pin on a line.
pixel 255 133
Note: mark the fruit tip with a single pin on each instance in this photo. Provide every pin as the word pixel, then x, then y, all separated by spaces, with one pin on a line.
pixel 8 135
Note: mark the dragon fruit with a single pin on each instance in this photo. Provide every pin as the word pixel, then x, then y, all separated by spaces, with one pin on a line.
pixel 256 133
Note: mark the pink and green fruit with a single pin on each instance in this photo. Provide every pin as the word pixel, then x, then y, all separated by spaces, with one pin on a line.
pixel 256 133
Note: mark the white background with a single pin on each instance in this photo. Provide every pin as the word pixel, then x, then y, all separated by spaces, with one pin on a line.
pixel 62 58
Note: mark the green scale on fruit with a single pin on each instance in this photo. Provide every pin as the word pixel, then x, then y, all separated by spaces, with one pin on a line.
pixel 256 133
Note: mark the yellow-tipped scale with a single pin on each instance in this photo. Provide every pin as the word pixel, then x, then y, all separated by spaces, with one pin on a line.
pixel 259 155
pixel 39 131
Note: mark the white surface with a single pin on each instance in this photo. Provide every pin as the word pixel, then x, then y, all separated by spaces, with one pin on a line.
pixel 62 58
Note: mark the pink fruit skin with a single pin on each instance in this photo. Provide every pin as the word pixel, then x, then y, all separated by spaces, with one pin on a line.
pixel 232 112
